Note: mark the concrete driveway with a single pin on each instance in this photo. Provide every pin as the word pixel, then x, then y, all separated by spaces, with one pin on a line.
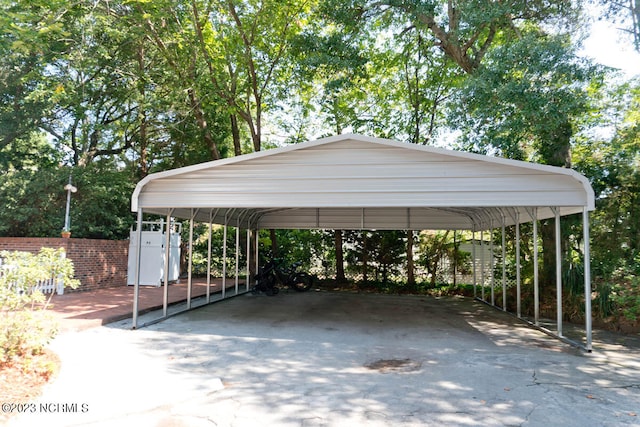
pixel 335 359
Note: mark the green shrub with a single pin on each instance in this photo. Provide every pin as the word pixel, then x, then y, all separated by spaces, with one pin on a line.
pixel 25 326
pixel 625 294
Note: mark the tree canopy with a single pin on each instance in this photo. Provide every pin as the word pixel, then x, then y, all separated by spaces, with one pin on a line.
pixel 110 91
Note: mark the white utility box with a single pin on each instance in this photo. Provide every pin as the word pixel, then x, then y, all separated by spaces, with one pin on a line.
pixel 152 253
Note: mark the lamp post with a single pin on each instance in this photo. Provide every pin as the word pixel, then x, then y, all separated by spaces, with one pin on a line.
pixel 66 232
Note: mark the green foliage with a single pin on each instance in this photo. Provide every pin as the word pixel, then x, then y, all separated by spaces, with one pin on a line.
pixel 35 203
pixel 30 151
pixel 436 247
pixel 379 252
pixel 625 296
pixel 614 170
pixel 303 246
pixel 24 327
pixel 525 101
pixel 101 207
pixel 201 238
pixel 112 91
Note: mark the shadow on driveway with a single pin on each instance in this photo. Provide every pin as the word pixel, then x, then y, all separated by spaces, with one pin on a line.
pixel 329 359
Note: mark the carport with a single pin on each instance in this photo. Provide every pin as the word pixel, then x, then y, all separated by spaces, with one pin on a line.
pixel 357 182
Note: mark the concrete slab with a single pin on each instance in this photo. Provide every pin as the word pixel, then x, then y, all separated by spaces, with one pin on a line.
pixel 335 359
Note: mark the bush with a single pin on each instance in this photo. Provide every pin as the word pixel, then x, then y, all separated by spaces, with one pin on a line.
pixel 25 327
pixel 625 295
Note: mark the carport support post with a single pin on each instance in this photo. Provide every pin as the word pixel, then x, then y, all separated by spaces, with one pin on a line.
pixel 224 257
pixel 518 266
pixel 190 266
pixel 167 244
pixel 482 264
pixel 257 240
pixel 248 258
pixel 237 253
pixel 136 283
pixel 556 211
pixel 504 267
pixel 473 256
pixel 587 277
pixel 536 287
pixel 493 277
pixel 209 256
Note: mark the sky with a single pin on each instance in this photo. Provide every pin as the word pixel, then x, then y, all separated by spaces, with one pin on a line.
pixel 607 46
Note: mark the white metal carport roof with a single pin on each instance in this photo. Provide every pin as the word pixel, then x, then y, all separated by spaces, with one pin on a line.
pixel 358 182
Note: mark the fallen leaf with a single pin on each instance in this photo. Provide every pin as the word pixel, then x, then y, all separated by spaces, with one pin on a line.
pixel 590 396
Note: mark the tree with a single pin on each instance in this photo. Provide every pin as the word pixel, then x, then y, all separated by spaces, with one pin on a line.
pixel 434 247
pixel 526 103
pixel 331 75
pixel 612 165
pixel 35 202
pixel 464 30
pixel 625 13
pixel 33 36
pixel 30 151
pixel 168 26
pixel 244 44
pixel 381 250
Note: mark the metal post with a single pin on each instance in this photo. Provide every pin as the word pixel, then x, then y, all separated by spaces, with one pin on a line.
pixel 69 189
pixel 491 261
pixel 455 257
pixel 518 267
pixel 257 232
pixel 209 256
pixel 556 211
pixel 482 264
pixel 536 285
pixel 136 284
pixel 167 244
pixel 504 266
pixel 248 258
pixel 224 257
pixel 190 266
pixel 587 278
pixel 473 256
pixel 237 253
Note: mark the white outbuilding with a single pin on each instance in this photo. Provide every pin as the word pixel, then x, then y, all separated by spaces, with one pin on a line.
pixel 357 182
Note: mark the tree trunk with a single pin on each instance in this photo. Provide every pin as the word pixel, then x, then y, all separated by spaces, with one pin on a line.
pixel 548 273
pixel 556 151
pixel 337 238
pixel 142 118
pixel 411 278
pixel 202 124
pixel 235 133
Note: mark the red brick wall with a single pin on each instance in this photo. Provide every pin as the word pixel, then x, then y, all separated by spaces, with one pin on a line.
pixel 98 263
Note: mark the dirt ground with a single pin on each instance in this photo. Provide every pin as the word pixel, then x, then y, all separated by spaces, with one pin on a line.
pixel 23 380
